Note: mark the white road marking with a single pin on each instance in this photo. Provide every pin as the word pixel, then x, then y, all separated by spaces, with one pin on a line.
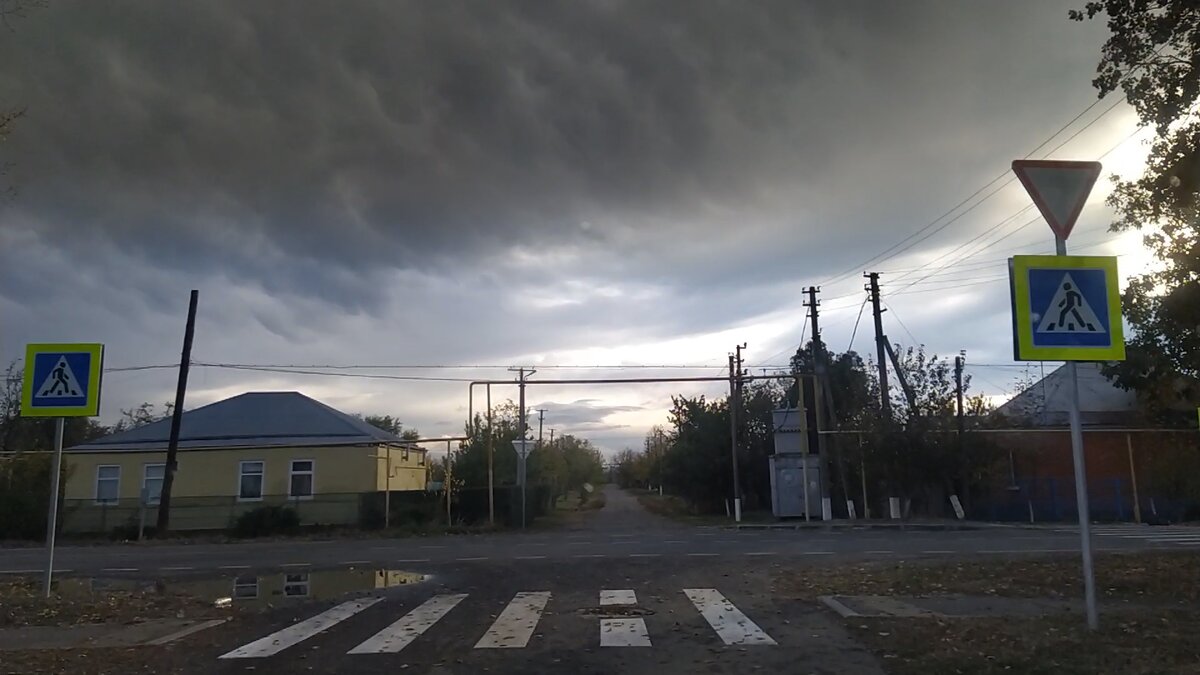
pixel 589 555
pixel 674 541
pixel 177 569
pixel 119 569
pixel 233 567
pixel 645 555
pixel 413 560
pixel 530 557
pixel 297 633
pixel 704 555
pixel 355 562
pixel 23 571
pixel 817 553
pixel 295 564
pixel 470 559
pixel 624 633
pixel 938 552
pixel 879 552
pixel 618 597
pixel 515 625
pixel 733 627
pixel 761 553
pixel 410 626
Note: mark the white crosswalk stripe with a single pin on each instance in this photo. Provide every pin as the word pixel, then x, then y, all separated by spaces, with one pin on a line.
pixel 297 633
pixel 410 626
pixel 515 625
pixel 622 632
pixel 513 628
pixel 733 627
pixel 1181 535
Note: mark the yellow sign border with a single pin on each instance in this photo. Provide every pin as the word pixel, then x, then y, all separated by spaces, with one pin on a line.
pixel 1023 347
pixel 91 408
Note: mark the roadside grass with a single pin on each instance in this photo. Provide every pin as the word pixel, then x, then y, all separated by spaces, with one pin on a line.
pixel 1149 614
pixel 1165 576
pixel 72 602
pixel 678 509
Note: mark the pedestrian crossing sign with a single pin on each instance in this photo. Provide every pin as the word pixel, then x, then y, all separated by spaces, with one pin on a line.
pixel 62 380
pixel 1066 308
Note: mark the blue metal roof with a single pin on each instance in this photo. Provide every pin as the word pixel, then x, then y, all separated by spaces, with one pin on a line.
pixel 250 420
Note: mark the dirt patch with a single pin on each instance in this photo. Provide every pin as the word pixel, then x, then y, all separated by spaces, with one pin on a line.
pixel 1167 576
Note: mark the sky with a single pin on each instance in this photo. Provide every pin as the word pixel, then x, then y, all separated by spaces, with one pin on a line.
pixel 588 183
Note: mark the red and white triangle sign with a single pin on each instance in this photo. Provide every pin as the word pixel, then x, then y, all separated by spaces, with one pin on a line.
pixel 1058 188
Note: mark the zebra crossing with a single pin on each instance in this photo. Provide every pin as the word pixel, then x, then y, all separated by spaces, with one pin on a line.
pixel 1179 535
pixel 514 626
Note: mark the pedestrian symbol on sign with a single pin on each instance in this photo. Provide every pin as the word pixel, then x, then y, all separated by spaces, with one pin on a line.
pixel 1069 311
pixel 61 383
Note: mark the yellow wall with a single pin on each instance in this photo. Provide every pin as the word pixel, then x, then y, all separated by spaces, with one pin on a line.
pixel 215 473
pixel 206 486
pixel 409 469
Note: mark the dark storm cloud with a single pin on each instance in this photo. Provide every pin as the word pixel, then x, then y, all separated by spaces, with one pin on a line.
pixel 305 147
pixel 483 181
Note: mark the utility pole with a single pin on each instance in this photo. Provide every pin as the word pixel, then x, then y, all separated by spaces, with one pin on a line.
pixel 880 346
pixel 735 413
pixel 959 363
pixel 541 418
pixel 185 361
pixel 734 376
pixel 491 461
pixel 522 374
pixel 822 393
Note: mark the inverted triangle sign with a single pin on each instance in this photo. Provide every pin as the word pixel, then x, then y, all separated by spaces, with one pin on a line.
pixel 1058 188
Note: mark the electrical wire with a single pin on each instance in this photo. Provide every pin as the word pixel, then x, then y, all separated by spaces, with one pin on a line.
pixel 854 333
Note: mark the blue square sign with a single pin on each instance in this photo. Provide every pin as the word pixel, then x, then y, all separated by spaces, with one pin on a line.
pixel 1069 307
pixel 62 380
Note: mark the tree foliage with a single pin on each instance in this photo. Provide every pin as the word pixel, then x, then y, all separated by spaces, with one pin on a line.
pixel 1153 55
pixel 392 425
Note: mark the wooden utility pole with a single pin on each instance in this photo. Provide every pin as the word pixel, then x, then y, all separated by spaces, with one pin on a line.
pixel 880 346
pixel 185 361
pixel 959 363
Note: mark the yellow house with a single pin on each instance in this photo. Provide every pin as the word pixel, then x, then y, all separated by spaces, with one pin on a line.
pixel 256 449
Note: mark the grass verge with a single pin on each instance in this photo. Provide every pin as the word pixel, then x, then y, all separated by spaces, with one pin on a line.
pixel 1150 626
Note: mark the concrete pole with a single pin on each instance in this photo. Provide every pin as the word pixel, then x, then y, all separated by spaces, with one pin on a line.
pixel 52 516
pixel 491 453
pixel 1137 507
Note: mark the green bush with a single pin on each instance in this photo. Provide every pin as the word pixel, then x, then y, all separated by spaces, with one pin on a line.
pixel 266 521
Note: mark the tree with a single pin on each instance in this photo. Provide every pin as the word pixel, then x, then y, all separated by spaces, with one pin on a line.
pixel 1153 56
pixel 392 425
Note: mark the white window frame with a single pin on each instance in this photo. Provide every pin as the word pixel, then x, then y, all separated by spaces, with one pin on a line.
pixel 145 478
pixel 262 487
pixel 241 588
pixel 299 583
pixel 312 474
pixel 96 486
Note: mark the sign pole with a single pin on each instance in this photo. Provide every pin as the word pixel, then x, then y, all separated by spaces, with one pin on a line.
pixel 1081 495
pixel 52 516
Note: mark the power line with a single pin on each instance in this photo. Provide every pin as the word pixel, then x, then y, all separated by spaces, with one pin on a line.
pixel 899 321
pixel 854 333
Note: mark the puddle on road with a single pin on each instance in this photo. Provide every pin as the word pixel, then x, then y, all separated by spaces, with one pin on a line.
pixel 256 589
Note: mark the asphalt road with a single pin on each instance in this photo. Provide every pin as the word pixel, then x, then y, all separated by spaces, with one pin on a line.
pixel 624 592
pixel 620 531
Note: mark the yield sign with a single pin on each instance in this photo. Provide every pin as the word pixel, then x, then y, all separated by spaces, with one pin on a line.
pixel 1058 188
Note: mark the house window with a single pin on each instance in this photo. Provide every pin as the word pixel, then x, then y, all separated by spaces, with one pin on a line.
pixel 152 481
pixel 295 585
pixel 250 481
pixel 300 482
pixel 245 588
pixel 108 484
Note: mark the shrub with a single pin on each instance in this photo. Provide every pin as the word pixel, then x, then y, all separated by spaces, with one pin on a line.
pixel 265 521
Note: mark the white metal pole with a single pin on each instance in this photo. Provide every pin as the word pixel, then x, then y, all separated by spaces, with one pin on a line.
pixel 1081 495
pixel 52 516
pixel 387 492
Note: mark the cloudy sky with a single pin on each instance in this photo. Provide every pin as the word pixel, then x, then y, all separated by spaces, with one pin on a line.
pixel 492 184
